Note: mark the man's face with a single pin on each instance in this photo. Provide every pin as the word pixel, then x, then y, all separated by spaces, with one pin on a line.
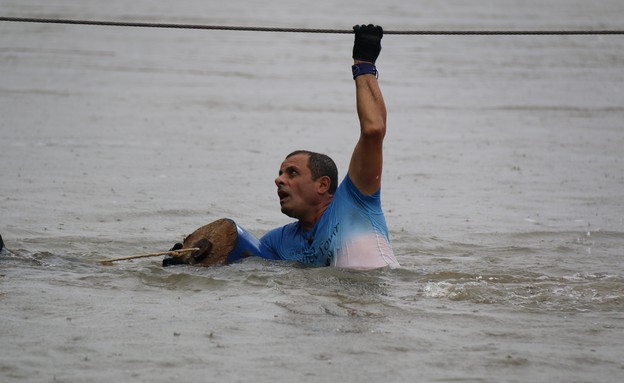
pixel 296 189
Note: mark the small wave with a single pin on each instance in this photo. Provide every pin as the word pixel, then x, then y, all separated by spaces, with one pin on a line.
pixel 541 292
pixel 360 293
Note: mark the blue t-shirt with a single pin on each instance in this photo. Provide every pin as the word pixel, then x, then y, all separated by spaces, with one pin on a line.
pixel 351 233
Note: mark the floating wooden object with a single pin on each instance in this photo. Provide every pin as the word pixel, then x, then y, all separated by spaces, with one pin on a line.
pixel 213 243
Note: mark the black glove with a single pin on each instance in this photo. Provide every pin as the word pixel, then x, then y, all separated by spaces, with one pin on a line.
pixel 367 43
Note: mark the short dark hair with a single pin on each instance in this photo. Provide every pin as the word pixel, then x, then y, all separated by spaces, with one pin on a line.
pixel 321 165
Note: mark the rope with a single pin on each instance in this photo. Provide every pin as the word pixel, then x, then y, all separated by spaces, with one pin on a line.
pixel 305 30
pixel 172 252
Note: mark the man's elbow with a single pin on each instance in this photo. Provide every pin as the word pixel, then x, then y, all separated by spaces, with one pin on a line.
pixel 374 131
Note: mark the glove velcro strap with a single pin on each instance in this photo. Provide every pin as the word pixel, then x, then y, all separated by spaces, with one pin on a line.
pixel 364 68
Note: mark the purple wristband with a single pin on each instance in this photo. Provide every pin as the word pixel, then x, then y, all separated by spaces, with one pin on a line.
pixel 363 68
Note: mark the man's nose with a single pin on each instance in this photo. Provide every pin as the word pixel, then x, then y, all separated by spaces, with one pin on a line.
pixel 279 181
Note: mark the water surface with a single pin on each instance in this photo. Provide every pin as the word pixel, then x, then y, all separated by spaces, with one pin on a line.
pixel 502 189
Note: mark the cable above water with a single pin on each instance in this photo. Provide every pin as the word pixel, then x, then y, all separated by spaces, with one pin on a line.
pixel 306 30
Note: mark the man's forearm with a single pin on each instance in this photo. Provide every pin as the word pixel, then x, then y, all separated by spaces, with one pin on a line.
pixel 371 108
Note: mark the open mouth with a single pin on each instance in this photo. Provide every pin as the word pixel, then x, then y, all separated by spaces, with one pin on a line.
pixel 282 194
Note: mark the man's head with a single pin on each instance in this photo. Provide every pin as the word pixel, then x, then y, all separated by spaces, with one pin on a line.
pixel 320 165
pixel 306 181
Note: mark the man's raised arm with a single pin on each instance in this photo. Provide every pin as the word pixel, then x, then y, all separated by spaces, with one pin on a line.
pixel 367 160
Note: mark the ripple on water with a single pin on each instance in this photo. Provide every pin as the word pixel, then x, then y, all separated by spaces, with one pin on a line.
pixel 335 291
pixel 579 292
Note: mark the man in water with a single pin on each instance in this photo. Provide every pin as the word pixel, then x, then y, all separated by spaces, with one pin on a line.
pixel 344 225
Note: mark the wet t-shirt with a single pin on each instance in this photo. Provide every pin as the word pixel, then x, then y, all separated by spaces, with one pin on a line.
pixel 351 233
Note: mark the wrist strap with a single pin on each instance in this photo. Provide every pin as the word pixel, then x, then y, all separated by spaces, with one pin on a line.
pixel 364 68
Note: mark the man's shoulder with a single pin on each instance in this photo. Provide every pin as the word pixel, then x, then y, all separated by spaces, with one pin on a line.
pixel 280 231
pixel 347 189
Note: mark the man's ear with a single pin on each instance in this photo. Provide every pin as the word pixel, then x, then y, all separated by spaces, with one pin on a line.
pixel 324 183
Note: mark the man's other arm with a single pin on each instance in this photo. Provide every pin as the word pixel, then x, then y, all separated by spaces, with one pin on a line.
pixel 367 159
pixel 366 163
